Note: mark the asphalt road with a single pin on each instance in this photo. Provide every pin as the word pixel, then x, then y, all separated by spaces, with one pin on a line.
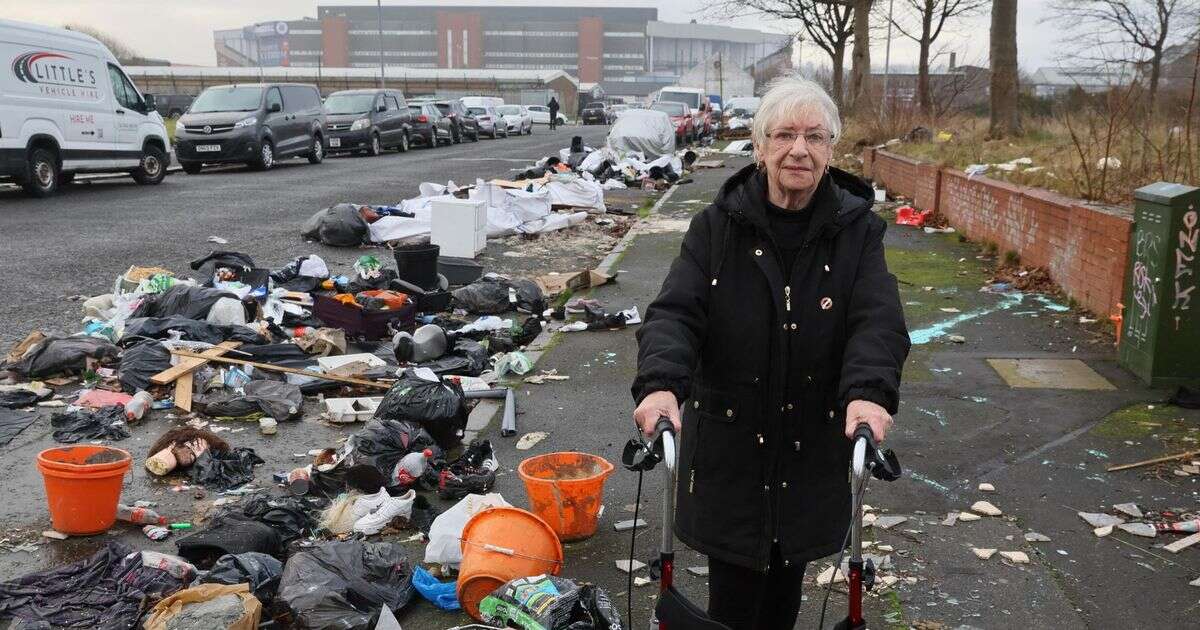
pixel 79 241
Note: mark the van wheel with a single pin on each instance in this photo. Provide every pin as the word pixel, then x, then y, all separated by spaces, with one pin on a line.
pixel 153 167
pixel 317 154
pixel 191 168
pixel 42 178
pixel 404 143
pixel 266 157
pixel 375 148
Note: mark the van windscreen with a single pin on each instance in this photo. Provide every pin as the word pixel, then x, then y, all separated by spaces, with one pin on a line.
pixel 690 99
pixel 227 99
pixel 349 103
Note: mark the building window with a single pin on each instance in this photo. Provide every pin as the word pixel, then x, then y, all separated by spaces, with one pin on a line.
pixel 303 32
pixel 624 56
pixel 538 55
pixel 387 32
pixel 629 34
pixel 533 33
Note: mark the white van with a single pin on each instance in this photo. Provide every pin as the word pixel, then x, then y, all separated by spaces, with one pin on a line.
pixel 481 101
pixel 694 98
pixel 67 107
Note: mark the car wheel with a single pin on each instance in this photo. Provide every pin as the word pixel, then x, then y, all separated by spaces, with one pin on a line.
pixel 404 143
pixel 191 168
pixel 375 148
pixel 317 154
pixel 456 136
pixel 153 167
pixel 475 136
pixel 42 176
pixel 266 157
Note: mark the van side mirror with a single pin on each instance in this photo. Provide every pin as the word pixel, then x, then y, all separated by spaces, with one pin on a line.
pixel 275 107
pixel 381 108
pixel 150 103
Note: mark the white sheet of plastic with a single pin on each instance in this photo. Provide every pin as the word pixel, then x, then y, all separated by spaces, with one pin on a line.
pixel 552 223
pixel 596 158
pixel 444 545
pixel 508 209
pixel 401 228
pixel 645 130
pixel 570 190
pixel 675 163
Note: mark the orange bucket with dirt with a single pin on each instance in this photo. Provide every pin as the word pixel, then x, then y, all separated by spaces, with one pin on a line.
pixel 566 490
pixel 501 544
pixel 83 486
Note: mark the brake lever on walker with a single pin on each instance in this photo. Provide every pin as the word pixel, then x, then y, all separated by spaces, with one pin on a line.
pixel 883 463
pixel 641 455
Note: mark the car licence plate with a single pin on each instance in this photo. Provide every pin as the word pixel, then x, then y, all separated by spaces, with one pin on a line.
pixel 208 148
pixel 335 142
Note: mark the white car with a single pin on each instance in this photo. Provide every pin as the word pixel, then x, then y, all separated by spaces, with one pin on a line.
pixel 516 119
pixel 541 115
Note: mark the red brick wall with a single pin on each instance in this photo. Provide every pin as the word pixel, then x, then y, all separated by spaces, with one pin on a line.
pixel 591 49
pixel 868 161
pixel 335 42
pixel 450 28
pixel 1084 247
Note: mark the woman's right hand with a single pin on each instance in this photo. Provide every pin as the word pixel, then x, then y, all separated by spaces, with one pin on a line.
pixel 655 406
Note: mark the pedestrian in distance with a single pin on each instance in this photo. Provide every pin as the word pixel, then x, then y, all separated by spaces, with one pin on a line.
pixel 779 329
pixel 553 105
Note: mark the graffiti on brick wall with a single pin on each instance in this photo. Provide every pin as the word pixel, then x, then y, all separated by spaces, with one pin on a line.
pixel 1185 272
pixel 1147 247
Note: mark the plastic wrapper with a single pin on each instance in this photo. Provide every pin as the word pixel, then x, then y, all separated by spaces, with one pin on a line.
pixel 338 226
pixel 53 355
pixel 260 571
pixel 107 423
pixel 344 585
pixel 217 470
pixel 437 406
pixel 440 594
pixel 140 362
pixel 445 546
pixel 202 604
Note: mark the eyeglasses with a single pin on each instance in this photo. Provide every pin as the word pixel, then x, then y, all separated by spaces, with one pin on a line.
pixel 786 138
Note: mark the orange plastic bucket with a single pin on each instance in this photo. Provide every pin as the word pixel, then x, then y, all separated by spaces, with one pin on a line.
pixel 83 486
pixel 501 544
pixel 566 490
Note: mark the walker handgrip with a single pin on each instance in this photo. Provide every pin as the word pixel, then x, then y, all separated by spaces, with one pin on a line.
pixel 664 425
pixel 864 431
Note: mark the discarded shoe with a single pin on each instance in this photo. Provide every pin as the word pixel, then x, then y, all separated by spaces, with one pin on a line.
pixel 392 507
pixel 368 503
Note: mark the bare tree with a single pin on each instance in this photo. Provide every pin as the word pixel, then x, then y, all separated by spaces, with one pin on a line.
pixel 123 53
pixel 827 25
pixel 1125 31
pixel 859 94
pixel 931 17
pixel 1005 116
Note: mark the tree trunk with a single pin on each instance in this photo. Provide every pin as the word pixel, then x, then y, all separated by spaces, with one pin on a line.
pixel 838 59
pixel 859 97
pixel 1155 76
pixel 1005 117
pixel 923 91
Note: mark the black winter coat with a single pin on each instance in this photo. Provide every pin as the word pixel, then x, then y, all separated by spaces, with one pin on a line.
pixel 765 360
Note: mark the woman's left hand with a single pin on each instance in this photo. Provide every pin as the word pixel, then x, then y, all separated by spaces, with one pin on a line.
pixel 865 411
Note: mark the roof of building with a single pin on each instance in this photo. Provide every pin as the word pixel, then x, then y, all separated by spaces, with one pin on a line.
pixel 1083 77
pixel 675 30
pixel 393 72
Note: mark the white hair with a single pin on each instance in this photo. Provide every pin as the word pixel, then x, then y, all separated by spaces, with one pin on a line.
pixel 787 96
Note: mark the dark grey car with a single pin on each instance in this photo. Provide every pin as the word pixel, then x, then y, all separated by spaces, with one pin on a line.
pixel 430 127
pixel 463 124
pixel 256 124
pixel 367 121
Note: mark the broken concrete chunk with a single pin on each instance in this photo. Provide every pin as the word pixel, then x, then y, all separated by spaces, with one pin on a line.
pixel 950 519
pixel 529 440
pixel 986 509
pixel 886 548
pixel 1096 519
pixel 1190 469
pixel 956 339
pixel 829 575
pixel 987 487
pixel 1145 530
pixel 1195 582
pixel 1036 537
pixel 1129 509
pixel 890 580
pixel 1178 473
pixel 625 566
pixel 641 581
pixel 888 522
pixel 1101 532
pixel 698 571
pixel 968 516
pixel 868 520
pixel 983 554
pixel 624 526
pixel 1015 557
pixel 56 535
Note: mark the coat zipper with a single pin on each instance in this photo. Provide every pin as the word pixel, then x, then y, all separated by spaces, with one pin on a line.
pixel 787 298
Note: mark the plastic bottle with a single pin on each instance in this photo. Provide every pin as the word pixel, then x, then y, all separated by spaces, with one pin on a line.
pixel 413 465
pixel 139 516
pixel 137 406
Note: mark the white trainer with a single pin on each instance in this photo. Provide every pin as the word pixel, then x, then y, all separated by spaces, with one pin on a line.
pixel 392 508
pixel 368 503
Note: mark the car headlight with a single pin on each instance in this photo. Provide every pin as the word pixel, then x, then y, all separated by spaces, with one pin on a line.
pixel 245 122
pixel 361 123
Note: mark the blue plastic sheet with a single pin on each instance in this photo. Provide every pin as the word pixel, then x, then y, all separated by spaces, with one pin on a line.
pixel 441 594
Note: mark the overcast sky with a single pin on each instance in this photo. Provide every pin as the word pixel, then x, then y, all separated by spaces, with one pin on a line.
pixel 181 30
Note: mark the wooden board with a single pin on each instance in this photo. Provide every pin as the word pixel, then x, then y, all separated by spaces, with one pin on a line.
pixel 286 370
pixel 189 365
pixel 1182 543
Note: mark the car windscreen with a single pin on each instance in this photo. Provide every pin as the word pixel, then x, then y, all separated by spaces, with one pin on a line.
pixel 690 99
pixel 416 109
pixel 477 111
pixel 227 99
pixel 672 109
pixel 508 110
pixel 349 103
pixel 444 108
pixel 748 105
pixel 594 106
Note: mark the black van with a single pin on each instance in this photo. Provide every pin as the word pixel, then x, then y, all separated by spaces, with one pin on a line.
pixel 367 120
pixel 257 124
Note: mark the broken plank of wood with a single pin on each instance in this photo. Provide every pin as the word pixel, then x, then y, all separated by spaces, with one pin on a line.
pixel 188 365
pixel 1156 460
pixel 183 391
pixel 286 370
pixel 1182 543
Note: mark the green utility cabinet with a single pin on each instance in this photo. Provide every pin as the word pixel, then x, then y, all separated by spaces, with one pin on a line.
pixel 1160 340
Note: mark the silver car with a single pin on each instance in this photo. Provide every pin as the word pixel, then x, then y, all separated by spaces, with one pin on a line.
pixel 490 122
pixel 516 119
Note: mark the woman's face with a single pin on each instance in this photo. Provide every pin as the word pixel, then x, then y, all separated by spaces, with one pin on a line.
pixel 797 152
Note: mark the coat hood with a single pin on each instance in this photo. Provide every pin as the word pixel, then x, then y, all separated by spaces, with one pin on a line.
pixel 841 198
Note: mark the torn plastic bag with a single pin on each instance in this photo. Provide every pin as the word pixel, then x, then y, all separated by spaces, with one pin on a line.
pixel 277 399
pixel 445 544
pixel 107 423
pixel 54 354
pixel 260 571
pixel 111 589
pixel 344 585
pixel 304 273
pixel 207 606
pixel 529 296
pixel 17 398
pixel 381 443
pixel 228 534
pixel 486 296
pixel 224 470
pixel 190 329
pixel 467 358
pixel 140 362
pixel 437 406
pixel 184 300
pixel 287 515
pixel 440 594
pixel 338 226
pixel 207 266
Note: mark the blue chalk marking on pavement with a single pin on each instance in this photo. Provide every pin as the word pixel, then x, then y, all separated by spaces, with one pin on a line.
pixel 929 333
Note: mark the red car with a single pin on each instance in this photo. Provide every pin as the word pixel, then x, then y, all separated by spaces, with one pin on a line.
pixel 681 117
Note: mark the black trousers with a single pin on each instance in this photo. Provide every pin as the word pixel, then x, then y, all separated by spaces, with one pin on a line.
pixel 745 599
pixel 553 118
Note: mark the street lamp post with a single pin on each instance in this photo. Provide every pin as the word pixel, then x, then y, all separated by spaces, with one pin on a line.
pixel 887 58
pixel 379 8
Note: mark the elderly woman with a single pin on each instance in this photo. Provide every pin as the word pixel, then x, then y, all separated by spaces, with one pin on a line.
pixel 779 329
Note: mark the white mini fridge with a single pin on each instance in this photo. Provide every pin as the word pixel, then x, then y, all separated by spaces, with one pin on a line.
pixel 459 226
